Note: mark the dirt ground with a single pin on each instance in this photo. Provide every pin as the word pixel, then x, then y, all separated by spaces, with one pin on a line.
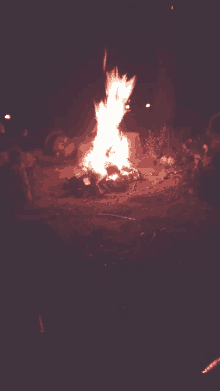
pixel 126 284
pixel 154 209
pixel 129 282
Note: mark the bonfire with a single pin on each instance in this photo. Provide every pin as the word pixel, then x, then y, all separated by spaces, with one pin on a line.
pixel 105 164
pixel 108 158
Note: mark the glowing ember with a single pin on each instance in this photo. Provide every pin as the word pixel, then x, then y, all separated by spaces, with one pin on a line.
pixel 211 366
pixel 110 147
pixel 86 181
pixel 41 324
pixel 7 116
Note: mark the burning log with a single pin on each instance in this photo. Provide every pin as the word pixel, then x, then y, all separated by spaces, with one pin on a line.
pixel 86 183
pixel 81 187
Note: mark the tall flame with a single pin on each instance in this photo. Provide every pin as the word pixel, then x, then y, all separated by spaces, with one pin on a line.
pixel 110 147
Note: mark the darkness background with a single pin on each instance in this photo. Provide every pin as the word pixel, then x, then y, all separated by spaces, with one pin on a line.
pixel 51 52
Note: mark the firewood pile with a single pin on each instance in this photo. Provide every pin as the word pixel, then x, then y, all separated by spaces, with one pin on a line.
pixel 88 184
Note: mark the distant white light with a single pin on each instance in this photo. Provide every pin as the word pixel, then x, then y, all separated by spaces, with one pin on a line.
pixel 148 105
pixel 127 107
pixel 7 116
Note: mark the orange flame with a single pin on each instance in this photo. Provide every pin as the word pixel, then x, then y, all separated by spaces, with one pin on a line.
pixel 110 147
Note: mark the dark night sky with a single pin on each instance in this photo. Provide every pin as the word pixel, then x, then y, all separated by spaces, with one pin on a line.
pixel 43 45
